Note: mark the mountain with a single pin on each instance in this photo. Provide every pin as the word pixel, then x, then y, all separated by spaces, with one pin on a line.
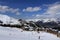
pixel 8 20
pixel 44 20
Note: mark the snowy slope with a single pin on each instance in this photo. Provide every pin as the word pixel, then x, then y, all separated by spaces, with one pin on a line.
pixel 16 34
pixel 8 20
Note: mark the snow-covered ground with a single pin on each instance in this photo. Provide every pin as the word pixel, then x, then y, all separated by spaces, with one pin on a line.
pixel 7 33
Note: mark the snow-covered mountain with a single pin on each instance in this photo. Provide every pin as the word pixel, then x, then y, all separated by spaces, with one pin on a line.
pixel 8 20
pixel 44 20
pixel 50 20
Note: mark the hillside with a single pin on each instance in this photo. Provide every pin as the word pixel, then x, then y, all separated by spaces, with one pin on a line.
pixel 8 20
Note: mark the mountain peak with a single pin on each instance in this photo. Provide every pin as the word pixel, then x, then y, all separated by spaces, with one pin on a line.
pixel 8 20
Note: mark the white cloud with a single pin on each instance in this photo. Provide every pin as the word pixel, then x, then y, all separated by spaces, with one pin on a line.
pixel 4 9
pixel 38 15
pixel 43 16
pixel 31 9
pixel 53 11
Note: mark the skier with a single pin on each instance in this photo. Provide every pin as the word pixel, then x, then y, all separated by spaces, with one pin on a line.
pixel 38 32
pixel 39 37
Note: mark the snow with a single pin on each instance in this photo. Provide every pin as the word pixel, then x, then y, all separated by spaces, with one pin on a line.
pixel 32 20
pixel 7 33
pixel 49 20
pixel 44 20
pixel 8 20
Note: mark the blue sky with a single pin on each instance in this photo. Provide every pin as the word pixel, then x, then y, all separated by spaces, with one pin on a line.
pixel 30 8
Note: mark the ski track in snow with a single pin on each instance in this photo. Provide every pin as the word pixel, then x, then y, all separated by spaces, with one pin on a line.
pixel 7 33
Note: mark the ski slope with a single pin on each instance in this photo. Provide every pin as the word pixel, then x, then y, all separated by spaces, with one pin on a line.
pixel 7 33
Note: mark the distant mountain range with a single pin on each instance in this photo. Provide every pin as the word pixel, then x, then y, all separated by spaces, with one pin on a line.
pixel 10 20
pixel 46 23
pixel 44 20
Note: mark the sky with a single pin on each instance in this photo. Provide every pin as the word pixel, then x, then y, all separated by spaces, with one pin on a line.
pixel 27 9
